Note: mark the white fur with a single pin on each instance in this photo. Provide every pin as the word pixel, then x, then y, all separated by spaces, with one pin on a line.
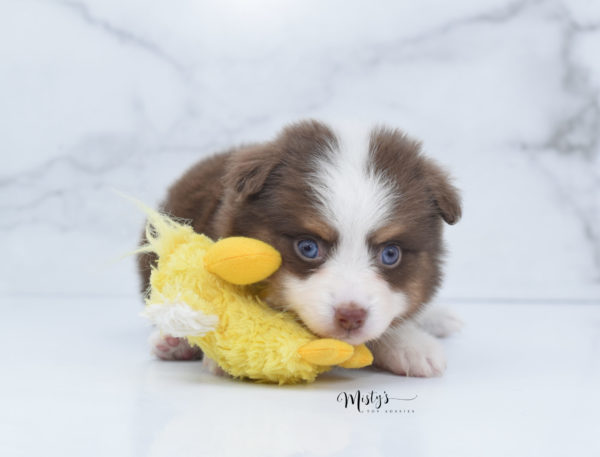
pixel 409 350
pixel 212 367
pixel 179 320
pixel 439 321
pixel 356 201
pixel 349 194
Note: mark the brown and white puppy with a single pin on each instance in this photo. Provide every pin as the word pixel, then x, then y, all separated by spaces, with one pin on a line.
pixel 357 217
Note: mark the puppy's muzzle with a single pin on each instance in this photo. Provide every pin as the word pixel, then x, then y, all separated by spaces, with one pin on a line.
pixel 350 316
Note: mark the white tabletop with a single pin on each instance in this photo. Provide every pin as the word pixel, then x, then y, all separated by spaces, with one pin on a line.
pixel 522 380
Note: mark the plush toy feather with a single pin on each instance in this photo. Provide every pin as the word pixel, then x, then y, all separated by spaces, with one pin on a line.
pixel 199 291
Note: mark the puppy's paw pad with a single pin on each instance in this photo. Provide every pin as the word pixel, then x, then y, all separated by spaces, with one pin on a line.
pixel 167 347
pixel 441 322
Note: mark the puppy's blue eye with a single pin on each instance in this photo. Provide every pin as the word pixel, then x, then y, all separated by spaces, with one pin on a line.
pixel 307 248
pixel 390 255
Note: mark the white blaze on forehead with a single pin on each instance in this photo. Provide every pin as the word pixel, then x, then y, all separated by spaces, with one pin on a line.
pixel 351 194
pixel 355 200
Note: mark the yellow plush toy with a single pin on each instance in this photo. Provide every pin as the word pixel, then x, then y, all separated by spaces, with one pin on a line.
pixel 199 291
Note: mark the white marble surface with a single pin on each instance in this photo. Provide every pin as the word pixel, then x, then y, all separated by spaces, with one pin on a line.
pixel 78 380
pixel 96 95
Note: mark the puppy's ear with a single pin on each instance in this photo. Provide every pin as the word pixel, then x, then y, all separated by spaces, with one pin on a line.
pixel 445 196
pixel 249 167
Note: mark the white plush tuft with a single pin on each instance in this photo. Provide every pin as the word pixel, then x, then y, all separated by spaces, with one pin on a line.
pixel 179 320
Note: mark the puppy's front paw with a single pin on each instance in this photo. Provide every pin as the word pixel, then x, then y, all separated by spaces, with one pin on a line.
pixel 410 351
pixel 167 347
pixel 439 321
pixel 419 361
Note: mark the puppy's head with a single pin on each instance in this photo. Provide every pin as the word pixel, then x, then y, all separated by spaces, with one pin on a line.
pixel 357 219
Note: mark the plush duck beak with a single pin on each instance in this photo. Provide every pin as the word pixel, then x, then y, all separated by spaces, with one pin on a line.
pixel 241 260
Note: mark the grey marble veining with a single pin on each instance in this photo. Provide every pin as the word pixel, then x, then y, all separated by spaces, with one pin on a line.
pixel 103 95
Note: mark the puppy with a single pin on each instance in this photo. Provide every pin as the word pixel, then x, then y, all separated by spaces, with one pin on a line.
pixel 357 217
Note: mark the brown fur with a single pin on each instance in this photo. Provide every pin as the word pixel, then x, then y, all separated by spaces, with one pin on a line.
pixel 196 196
pixel 426 194
pixel 261 191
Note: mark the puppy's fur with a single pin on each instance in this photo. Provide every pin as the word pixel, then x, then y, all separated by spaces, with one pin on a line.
pixel 352 195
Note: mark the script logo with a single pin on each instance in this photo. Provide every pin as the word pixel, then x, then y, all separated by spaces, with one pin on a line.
pixel 371 401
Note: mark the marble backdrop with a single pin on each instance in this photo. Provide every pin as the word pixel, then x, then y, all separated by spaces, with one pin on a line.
pixel 125 94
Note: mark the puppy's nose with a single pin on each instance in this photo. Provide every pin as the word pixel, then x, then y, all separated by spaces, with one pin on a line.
pixel 350 316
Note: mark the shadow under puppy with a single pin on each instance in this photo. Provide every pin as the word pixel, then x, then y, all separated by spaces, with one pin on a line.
pixel 357 216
